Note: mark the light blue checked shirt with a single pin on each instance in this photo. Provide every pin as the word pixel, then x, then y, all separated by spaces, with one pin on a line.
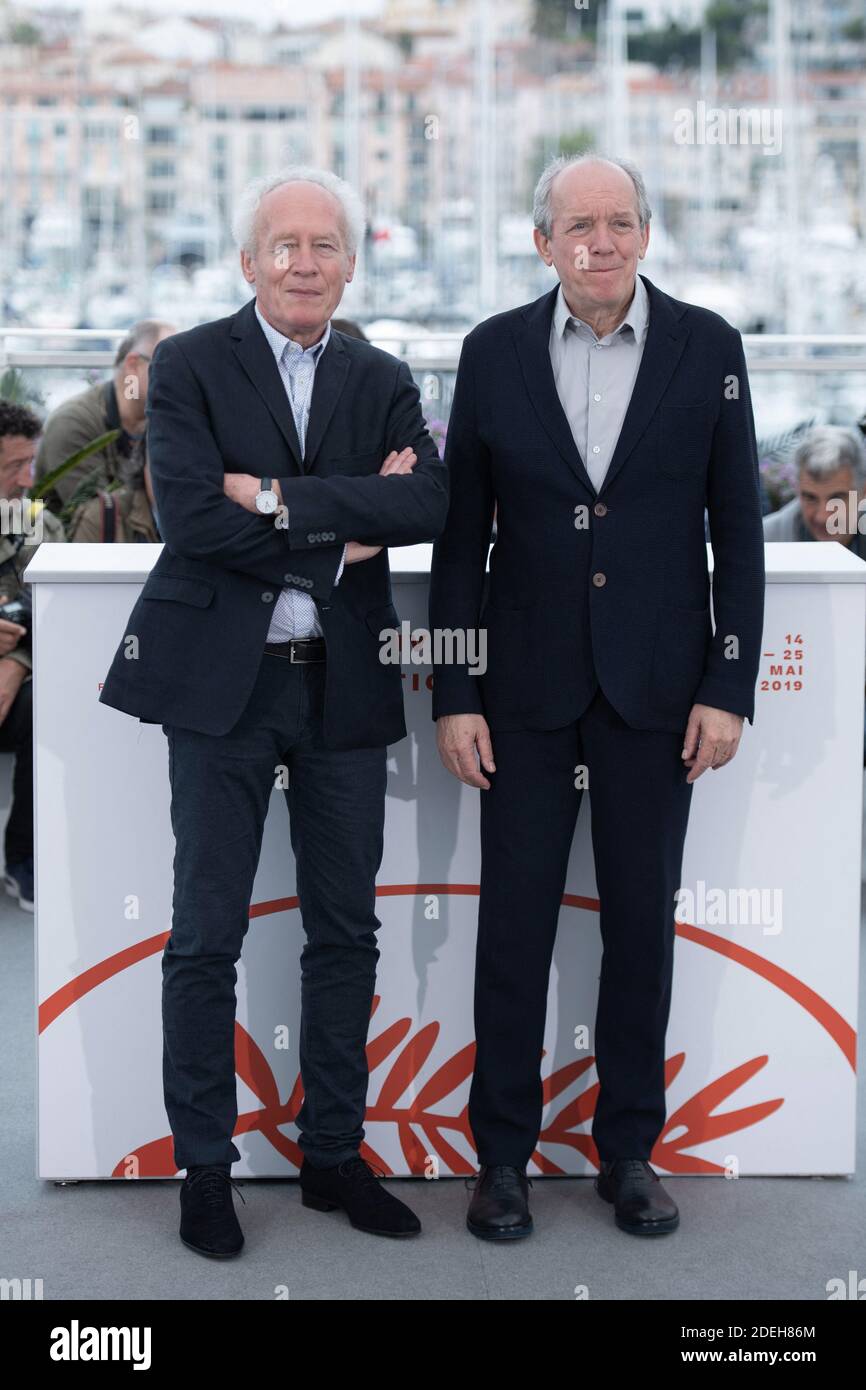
pixel 295 613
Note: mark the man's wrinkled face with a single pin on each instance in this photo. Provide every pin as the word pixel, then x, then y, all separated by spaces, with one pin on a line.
pixel 17 454
pixel 820 500
pixel 301 264
pixel 596 238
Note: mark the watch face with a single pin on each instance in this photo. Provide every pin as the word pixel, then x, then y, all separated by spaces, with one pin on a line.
pixel 267 501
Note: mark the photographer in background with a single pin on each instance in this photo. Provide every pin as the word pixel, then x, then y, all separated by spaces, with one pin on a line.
pixel 829 501
pixel 831 465
pixel 117 403
pixel 22 527
pixel 124 514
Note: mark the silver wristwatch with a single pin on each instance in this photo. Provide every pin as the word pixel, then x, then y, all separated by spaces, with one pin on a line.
pixel 267 500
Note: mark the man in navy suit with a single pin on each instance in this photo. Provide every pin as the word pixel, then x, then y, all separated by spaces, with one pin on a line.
pixel 285 457
pixel 598 422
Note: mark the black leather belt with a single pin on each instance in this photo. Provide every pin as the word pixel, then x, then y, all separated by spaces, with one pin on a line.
pixel 299 650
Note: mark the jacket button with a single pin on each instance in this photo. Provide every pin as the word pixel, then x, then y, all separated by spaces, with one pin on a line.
pixel 600 509
pixel 266 598
pixel 599 579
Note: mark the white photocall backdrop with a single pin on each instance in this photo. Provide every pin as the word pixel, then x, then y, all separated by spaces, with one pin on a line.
pixel 761 1041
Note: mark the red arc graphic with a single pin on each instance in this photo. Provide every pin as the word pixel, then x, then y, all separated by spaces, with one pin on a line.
pixel 422 1116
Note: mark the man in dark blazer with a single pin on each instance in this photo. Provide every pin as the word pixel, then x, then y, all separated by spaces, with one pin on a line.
pixel 280 451
pixel 598 422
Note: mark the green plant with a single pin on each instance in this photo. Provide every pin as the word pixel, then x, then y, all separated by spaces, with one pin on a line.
pixel 14 387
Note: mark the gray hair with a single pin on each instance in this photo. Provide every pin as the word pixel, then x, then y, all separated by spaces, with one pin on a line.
pixel 141 336
pixel 247 210
pixel 826 448
pixel 542 212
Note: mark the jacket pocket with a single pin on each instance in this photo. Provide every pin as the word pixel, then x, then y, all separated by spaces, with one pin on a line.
pixel 685 435
pixel 384 616
pixel 683 636
pixel 182 590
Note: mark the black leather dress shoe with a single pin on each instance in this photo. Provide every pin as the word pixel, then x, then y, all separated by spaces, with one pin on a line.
pixel 499 1209
pixel 641 1205
pixel 355 1187
pixel 208 1223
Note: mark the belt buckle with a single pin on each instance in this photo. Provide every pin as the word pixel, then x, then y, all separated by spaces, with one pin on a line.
pixel 292 656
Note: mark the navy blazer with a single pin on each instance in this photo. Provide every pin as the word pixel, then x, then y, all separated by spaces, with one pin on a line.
pixel 216 404
pixel 610 585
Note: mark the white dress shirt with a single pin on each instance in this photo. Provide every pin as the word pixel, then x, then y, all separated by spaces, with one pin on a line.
pixel 295 614
pixel 595 376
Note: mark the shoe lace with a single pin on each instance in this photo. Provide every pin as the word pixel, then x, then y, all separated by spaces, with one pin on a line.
pixel 500 1174
pixel 211 1181
pixel 633 1167
pixel 365 1175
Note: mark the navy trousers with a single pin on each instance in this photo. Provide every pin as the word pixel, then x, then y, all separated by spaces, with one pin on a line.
pixel 220 792
pixel 640 802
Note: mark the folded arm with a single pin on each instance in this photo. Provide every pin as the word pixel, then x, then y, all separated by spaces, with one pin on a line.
pixel 399 508
pixel 196 518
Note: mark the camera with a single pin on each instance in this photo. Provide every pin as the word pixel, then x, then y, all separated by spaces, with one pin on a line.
pixel 18 610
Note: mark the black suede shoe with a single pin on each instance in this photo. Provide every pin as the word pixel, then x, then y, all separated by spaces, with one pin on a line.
pixel 499 1209
pixel 641 1205
pixel 207 1216
pixel 355 1187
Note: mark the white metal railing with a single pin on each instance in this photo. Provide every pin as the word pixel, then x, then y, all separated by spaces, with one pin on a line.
pixel 437 351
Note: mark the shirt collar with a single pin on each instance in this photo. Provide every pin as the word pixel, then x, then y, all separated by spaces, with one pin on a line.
pixel 637 314
pixel 278 340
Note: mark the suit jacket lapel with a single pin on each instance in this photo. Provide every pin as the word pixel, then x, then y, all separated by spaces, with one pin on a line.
pixel 665 340
pixel 533 349
pixel 254 354
pixel 331 372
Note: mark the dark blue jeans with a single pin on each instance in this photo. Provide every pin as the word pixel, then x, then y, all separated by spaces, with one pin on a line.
pixel 220 791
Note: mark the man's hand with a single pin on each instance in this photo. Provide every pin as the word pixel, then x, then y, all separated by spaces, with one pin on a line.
pixel 12 676
pixel 712 738
pixel 243 488
pixel 403 462
pixel 10 635
pixel 355 551
pixel 464 742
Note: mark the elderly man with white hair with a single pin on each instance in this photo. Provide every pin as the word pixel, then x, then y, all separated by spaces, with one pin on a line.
pixel 285 458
